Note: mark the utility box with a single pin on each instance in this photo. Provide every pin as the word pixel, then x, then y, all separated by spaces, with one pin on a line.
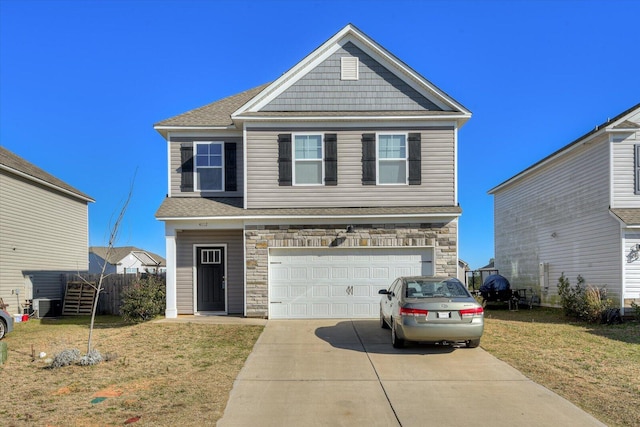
pixel 45 307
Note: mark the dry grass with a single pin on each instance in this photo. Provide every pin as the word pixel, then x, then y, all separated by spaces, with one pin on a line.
pixel 181 374
pixel 166 374
pixel 597 367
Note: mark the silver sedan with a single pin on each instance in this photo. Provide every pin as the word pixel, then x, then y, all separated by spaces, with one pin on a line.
pixel 428 309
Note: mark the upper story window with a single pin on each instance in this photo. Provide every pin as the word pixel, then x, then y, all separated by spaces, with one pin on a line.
pixel 209 166
pixel 392 158
pixel 308 160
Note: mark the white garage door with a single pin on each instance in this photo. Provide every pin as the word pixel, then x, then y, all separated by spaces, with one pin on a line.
pixel 338 283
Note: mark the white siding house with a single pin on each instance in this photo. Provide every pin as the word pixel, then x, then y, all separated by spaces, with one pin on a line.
pixel 124 260
pixel 575 212
pixel 43 232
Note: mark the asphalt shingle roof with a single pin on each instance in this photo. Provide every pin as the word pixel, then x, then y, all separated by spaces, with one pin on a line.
pixel 630 216
pixel 217 113
pixel 199 207
pixel 15 163
pixel 118 253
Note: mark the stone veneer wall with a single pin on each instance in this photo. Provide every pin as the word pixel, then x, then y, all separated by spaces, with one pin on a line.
pixel 442 236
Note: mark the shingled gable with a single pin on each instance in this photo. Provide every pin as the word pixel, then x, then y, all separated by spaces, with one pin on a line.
pixel 19 166
pixel 444 104
pixel 229 112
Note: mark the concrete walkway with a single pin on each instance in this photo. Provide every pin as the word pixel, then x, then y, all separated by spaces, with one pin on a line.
pixel 345 373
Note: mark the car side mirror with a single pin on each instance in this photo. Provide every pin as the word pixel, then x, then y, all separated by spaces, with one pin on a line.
pixel 384 292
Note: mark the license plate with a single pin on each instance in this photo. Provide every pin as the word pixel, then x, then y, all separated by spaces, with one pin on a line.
pixel 444 315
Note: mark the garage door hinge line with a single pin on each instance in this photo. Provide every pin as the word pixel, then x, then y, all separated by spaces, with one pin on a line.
pixel 376 372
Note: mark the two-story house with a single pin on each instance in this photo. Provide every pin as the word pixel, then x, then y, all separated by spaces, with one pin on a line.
pixel 44 233
pixel 303 197
pixel 577 212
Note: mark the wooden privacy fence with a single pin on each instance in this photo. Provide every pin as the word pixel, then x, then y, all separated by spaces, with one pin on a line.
pixel 110 299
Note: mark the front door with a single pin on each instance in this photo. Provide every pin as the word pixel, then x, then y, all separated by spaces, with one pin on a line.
pixel 211 279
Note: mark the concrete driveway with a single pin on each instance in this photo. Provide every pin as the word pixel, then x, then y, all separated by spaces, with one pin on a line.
pixel 345 373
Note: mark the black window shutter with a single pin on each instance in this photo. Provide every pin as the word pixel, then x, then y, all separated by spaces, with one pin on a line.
pixel 330 159
pixel 186 170
pixel 636 149
pixel 368 159
pixel 415 158
pixel 230 167
pixel 284 159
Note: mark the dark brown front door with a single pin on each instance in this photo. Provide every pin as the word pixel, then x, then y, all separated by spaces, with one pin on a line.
pixel 211 278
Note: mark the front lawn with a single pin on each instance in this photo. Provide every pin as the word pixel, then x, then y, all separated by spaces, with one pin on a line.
pixel 595 366
pixel 162 374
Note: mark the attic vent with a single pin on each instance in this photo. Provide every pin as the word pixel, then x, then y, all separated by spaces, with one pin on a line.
pixel 349 68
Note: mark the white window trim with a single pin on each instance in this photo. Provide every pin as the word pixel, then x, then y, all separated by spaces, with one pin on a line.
pixel 196 186
pixel 294 160
pixel 406 158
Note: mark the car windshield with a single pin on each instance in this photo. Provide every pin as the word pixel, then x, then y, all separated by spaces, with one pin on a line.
pixel 417 288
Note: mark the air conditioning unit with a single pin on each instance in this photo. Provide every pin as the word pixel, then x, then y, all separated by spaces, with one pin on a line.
pixel 45 307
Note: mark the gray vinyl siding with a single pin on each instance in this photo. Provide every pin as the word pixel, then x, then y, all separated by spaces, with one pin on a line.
pixel 624 168
pixel 234 270
pixel 560 215
pixel 43 233
pixel 437 187
pixel 175 166
pixel 377 89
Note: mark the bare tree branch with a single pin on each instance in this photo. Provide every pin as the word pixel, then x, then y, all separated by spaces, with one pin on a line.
pixel 113 236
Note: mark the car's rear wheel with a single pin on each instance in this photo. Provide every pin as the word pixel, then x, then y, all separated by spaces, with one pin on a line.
pixel 3 329
pixel 396 341
pixel 383 324
pixel 473 343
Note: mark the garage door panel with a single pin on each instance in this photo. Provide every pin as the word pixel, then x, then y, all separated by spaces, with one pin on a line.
pixel 338 283
pixel 297 273
pixel 361 272
pixel 340 273
pixel 319 291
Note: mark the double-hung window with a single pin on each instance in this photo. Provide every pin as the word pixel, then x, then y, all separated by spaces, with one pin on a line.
pixel 209 166
pixel 392 158
pixel 308 160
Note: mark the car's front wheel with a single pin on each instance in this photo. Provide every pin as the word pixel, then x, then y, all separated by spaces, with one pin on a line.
pixel 396 341
pixel 383 324
pixel 473 343
pixel 3 329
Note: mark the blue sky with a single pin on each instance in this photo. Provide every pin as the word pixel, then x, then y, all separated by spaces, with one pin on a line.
pixel 83 82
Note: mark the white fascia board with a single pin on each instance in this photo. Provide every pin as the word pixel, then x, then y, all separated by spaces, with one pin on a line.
pixel 210 134
pixel 192 128
pixel 202 222
pixel 542 163
pixel 460 119
pixel 46 184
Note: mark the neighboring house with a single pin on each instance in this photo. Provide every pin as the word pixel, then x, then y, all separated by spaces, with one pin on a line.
pixel 43 232
pixel 576 212
pixel 125 260
pixel 303 197
pixel 463 267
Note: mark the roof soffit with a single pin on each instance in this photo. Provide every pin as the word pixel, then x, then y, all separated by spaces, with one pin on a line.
pixel 350 34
